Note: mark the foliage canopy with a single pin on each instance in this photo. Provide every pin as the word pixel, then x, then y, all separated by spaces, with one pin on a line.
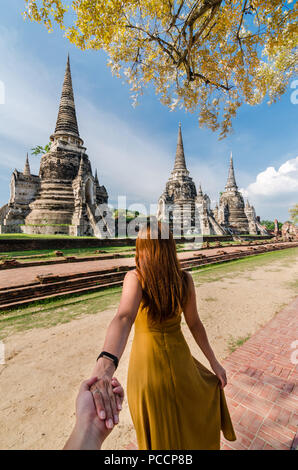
pixel 294 213
pixel 206 55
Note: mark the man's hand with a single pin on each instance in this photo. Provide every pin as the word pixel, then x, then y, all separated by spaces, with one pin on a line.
pixel 90 431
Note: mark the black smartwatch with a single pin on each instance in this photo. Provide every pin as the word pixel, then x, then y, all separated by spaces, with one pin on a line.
pixel 109 356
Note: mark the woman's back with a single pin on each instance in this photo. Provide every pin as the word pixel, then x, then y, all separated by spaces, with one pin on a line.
pixel 175 402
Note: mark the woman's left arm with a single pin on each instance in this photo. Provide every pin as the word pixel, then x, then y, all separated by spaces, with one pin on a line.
pixel 199 333
pixel 115 342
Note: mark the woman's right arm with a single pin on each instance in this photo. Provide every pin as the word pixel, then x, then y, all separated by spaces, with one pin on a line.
pixel 199 333
pixel 115 342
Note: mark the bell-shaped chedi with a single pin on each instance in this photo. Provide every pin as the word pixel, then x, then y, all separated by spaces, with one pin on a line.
pixel 231 181
pixel 180 165
pixel 69 194
pixel 27 171
pixel 231 211
pixel 23 189
pixel 186 211
pixel 178 199
pixel 67 118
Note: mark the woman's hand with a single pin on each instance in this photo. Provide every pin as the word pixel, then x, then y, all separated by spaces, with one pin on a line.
pixel 220 373
pixel 89 431
pixel 107 404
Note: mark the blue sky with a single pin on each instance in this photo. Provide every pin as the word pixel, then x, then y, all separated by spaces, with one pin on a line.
pixel 133 149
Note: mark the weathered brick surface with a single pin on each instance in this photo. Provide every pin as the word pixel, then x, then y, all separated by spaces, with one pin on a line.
pixel 262 391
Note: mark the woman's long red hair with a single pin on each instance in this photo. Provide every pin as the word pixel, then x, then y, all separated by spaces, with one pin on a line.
pixel 163 282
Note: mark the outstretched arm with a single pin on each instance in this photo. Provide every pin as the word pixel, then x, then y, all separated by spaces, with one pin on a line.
pixel 199 333
pixel 115 342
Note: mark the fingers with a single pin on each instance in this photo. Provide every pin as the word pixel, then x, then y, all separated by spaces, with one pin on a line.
pixel 85 386
pixel 109 414
pixel 108 397
pixel 113 404
pixel 105 402
pixel 223 380
pixel 119 392
pixel 118 399
pixel 115 382
pixel 99 402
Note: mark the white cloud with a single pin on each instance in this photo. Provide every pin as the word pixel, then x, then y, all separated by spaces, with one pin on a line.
pixel 274 190
pixel 276 183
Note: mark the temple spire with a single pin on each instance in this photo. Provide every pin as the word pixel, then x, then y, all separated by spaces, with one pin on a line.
pixel 27 171
pixel 96 177
pixel 231 182
pixel 67 119
pixel 180 158
pixel 200 192
pixel 81 167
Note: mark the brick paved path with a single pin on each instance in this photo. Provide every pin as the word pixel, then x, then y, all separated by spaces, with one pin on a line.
pixel 262 392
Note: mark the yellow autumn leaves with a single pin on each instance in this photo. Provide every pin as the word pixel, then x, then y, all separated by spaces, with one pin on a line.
pixel 207 56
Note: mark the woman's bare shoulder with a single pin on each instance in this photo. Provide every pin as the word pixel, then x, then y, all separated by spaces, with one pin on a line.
pixel 188 276
pixel 131 284
pixel 132 276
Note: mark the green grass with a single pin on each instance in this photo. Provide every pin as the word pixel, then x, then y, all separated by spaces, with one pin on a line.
pixel 230 269
pixel 25 235
pixel 212 244
pixel 234 343
pixel 294 285
pixel 50 312
pixel 44 254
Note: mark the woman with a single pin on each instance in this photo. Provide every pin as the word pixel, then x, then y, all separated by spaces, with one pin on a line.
pixel 175 402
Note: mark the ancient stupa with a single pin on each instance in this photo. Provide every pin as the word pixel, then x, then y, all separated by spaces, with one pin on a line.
pixel 180 204
pixel 231 211
pixel 65 198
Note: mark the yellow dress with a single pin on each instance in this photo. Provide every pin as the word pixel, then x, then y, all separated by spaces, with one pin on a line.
pixel 175 402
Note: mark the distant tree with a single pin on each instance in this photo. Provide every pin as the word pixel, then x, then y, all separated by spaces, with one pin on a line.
pixel 39 150
pixel 269 224
pixel 205 55
pixel 294 213
pixel 129 215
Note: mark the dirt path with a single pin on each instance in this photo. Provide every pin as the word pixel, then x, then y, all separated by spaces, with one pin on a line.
pixel 44 366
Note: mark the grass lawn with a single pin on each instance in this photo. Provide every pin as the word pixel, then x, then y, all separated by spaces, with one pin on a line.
pixel 25 235
pixel 45 254
pixel 50 312
pixel 182 247
pixel 53 311
pixel 217 271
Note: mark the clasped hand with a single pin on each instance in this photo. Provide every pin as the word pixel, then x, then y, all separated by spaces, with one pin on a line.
pixel 107 403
